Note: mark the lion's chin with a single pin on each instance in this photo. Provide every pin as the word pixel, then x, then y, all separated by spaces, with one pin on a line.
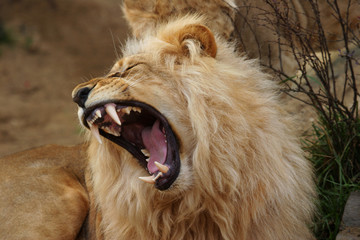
pixel 141 130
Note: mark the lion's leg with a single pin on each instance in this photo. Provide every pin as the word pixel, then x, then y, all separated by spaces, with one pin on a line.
pixel 41 195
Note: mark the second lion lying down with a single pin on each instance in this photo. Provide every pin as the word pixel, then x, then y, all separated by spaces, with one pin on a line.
pixel 200 126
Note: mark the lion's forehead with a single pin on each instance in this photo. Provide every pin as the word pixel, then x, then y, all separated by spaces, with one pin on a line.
pixel 121 64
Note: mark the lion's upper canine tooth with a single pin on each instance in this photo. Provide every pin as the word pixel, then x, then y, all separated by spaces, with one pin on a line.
pixel 95 132
pixel 110 109
pixel 149 179
pixel 162 168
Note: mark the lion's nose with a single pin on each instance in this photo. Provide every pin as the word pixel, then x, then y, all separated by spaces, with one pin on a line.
pixel 81 96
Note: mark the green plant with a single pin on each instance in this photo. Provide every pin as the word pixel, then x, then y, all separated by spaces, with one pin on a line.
pixel 335 153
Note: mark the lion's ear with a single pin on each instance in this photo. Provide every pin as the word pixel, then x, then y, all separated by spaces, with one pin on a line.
pixel 201 34
pixel 182 38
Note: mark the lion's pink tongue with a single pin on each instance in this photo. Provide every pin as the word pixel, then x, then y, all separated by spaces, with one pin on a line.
pixel 155 142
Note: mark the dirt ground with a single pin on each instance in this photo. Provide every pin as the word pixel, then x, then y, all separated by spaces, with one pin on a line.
pixel 56 44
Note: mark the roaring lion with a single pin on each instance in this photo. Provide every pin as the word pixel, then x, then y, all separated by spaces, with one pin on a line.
pixel 188 142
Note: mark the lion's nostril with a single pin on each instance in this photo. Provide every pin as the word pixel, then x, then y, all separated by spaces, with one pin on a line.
pixel 81 96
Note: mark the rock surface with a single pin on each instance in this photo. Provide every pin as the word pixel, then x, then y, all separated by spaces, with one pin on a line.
pixel 351 219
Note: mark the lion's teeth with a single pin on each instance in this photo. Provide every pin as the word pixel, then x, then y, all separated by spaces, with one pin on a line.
pixel 95 132
pixel 157 176
pixel 98 113
pixel 110 109
pixel 162 168
pixel 126 110
pixel 109 130
pixel 145 152
pixel 149 179
pixel 147 160
pixel 116 134
pixel 136 109
pixel 94 119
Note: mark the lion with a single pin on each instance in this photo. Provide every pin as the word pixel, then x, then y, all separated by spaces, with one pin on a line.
pixel 188 141
pixel 43 194
pixel 266 30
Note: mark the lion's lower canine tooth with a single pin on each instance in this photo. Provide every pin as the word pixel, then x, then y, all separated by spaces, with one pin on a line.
pixel 162 168
pixel 95 132
pixel 110 109
pixel 149 179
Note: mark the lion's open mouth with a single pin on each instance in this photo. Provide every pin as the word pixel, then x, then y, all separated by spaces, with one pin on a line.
pixel 144 132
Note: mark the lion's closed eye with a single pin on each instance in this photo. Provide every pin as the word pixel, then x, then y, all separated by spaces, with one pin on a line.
pixel 123 73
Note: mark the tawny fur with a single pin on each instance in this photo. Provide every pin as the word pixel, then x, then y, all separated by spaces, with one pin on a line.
pixel 43 194
pixel 243 174
pixel 254 24
pixel 145 16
